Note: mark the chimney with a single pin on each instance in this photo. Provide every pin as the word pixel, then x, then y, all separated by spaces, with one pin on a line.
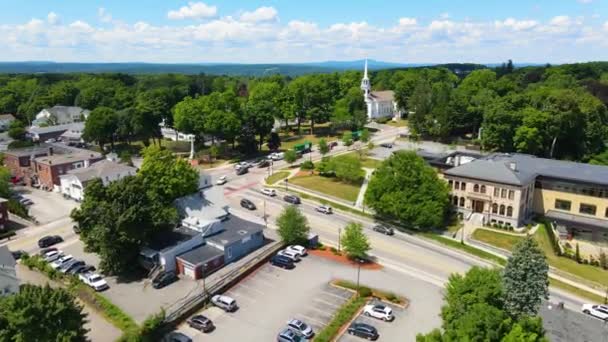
pixel 457 160
pixel 50 151
pixel 513 166
pixel 86 163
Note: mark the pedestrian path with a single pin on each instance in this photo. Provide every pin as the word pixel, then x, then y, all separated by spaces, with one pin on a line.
pixel 361 196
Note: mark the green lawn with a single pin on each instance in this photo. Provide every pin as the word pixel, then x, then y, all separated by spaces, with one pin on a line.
pixel 366 162
pixel 329 186
pixel 277 176
pixel 500 240
pixel 398 123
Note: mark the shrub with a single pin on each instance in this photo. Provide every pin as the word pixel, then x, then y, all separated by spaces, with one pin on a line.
pixel 603 260
pixel 391 297
pixel 333 249
pixel 307 165
pixel 364 291
pixel 17 208
pixel 344 314
pixel 7 234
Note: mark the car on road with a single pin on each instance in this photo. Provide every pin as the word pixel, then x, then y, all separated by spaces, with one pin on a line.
pixel 18 254
pixel 247 204
pixel 269 192
pixel 295 257
pixel 282 261
pixel 384 229
pixel 225 303
pixel 60 261
pixel 201 323
pixel 301 328
pixel 332 144
pixel 47 241
pixel 325 209
pixel 176 336
pixel 94 280
pixel 277 156
pixel 288 335
pixel 292 199
pixel 222 180
pixel 163 279
pixel 387 145
pixel 241 171
pixel 379 311
pixel 242 165
pixel 301 251
pixel 263 163
pixel 363 330
pixel 598 311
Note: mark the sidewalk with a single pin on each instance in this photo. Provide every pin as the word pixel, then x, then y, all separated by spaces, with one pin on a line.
pixel 361 197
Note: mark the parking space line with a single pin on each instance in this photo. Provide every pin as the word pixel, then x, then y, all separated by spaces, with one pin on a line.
pixel 248 288
pixel 321 311
pixel 333 305
pixel 338 296
pixel 308 318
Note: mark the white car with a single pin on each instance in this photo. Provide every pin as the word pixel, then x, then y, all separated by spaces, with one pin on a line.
pixel 599 311
pixel 277 156
pixel 94 280
pixel 325 209
pixel 222 180
pixel 289 254
pixel 60 261
pixel 240 165
pixel 299 250
pixel 52 256
pixel 379 311
pixel 225 303
pixel 269 192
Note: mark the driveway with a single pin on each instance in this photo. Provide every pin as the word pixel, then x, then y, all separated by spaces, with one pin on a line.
pixel 48 206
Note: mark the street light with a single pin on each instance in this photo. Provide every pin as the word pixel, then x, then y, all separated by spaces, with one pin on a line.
pixel 286 186
pixel 204 285
pixel 359 262
pixel 339 236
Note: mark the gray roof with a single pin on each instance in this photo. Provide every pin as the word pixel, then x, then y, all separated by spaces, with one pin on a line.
pixel 75 156
pixel 201 254
pixel 497 168
pixel 79 126
pixel 206 204
pixel 99 170
pixel 6 258
pixel 383 95
pixel 563 325
pixel 7 117
pixel 572 219
pixel 29 151
pixel 170 239
pixel 67 110
pixel 235 229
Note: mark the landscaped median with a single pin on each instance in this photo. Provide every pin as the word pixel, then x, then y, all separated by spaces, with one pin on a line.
pixel 351 309
pixel 277 176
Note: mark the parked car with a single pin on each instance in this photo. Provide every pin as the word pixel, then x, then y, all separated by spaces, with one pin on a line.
pixel 379 311
pixel 241 171
pixel 243 164
pixel 301 328
pixel 383 229
pixel 387 145
pixel 176 336
pixel 277 156
pixel 295 257
pixel 222 180
pixel 52 256
pixel 598 311
pixel 71 266
pixel 325 209
pixel 292 199
pixel 18 254
pixel 269 192
pixel 163 279
pixel 76 229
pixel 59 261
pixel 45 251
pixel 47 241
pixel 363 330
pixel 94 280
pixel 247 204
pixel 288 335
pixel 301 251
pixel 78 269
pixel 66 264
pixel 224 302
pixel 26 201
pixel 201 323
pixel 87 269
pixel 282 261
pixel 263 163
pixel 333 144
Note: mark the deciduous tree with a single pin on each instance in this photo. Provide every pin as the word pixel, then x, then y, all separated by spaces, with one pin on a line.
pixel 293 226
pixel 355 242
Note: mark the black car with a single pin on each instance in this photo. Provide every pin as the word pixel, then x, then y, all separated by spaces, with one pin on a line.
pixel 384 229
pixel 18 254
pixel 201 323
pixel 76 229
pixel 164 279
pixel 245 203
pixel 363 330
pixel 292 199
pixel 73 265
pixel 81 269
pixel 264 163
pixel 281 261
pixel 241 171
pixel 387 145
pixel 49 241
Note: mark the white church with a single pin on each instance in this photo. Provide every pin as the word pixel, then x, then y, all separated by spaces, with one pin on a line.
pixel 380 104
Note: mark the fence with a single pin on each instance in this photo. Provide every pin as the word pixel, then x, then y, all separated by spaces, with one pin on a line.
pixel 191 304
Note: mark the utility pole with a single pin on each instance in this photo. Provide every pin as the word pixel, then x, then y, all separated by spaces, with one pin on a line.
pixel 339 237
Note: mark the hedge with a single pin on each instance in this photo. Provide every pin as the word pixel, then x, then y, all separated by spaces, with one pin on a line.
pixel 7 234
pixel 365 291
pixel 344 314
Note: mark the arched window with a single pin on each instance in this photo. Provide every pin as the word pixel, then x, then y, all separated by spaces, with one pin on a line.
pixel 455 200
pixel 509 211
pixel 476 188
pixel 494 208
pixel 462 201
pixel 502 209
pixel 483 189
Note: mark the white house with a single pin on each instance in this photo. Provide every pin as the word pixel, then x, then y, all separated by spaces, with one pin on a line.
pixel 380 104
pixel 75 181
pixel 60 115
pixel 9 283
pixel 5 121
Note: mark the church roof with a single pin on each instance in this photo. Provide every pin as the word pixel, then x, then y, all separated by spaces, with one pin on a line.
pixel 384 95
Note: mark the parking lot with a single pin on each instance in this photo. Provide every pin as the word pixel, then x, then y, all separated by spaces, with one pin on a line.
pixel 47 206
pixel 388 331
pixel 268 299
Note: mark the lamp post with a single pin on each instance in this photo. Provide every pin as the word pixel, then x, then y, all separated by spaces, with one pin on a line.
pixel 265 219
pixel 339 237
pixel 286 186
pixel 359 262
pixel 204 285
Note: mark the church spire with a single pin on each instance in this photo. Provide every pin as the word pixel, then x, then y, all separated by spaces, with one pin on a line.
pixel 365 72
pixel 365 85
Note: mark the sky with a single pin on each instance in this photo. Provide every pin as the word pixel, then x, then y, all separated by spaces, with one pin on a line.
pixel 288 31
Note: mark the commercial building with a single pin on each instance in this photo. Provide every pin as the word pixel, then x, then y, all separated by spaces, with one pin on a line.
pixel 3 213
pixel 47 169
pixel 510 189
pixel 75 181
pixel 19 161
pixel 9 283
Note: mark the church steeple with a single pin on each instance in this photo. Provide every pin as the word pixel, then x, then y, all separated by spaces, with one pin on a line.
pixel 365 84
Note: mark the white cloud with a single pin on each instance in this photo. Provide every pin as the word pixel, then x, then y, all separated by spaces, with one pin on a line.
pixel 81 26
pixel 585 1
pixel 52 18
pixel 260 14
pixel 194 10
pixel 407 22
pixel 516 25
pixel 444 15
pixel 104 15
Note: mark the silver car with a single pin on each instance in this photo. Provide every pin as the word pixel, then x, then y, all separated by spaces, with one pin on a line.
pixel 301 328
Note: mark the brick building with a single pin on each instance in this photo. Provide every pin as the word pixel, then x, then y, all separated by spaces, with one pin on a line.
pixel 47 169
pixel 19 161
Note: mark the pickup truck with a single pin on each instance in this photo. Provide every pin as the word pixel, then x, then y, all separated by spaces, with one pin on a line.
pixel 94 280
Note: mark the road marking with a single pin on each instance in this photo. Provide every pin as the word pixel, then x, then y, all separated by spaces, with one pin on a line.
pixel 233 190
pixel 247 287
pixel 414 272
pixel 308 318
pixel 326 302
pixel 338 296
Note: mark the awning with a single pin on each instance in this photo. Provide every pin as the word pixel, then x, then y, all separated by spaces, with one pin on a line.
pixel 576 220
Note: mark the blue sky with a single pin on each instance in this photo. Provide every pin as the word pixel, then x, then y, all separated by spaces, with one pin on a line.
pixel 298 31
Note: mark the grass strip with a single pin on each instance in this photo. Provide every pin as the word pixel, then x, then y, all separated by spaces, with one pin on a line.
pixel 277 176
pixel 333 204
pixel 466 248
pixel 344 314
pixel 592 297
pixel 367 291
pixel 102 305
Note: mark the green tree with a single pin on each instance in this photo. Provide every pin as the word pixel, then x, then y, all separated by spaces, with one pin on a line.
pixel 347 169
pixel 347 138
pixel 323 147
pixel 600 159
pixel 526 279
pixel 16 130
pixel 405 188
pixel 100 127
pixel 364 135
pixel 293 226
pixel 355 242
pixel 290 156
pixel 41 314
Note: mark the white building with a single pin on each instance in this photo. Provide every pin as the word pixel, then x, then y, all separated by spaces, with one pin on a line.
pixel 75 181
pixel 60 115
pixel 5 121
pixel 9 283
pixel 380 104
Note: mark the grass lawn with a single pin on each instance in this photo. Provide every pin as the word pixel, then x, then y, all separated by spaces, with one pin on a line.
pixel 398 123
pixel 500 240
pixel 366 162
pixel 329 186
pixel 277 176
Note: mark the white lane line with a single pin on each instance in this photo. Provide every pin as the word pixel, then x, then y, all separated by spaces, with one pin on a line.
pixel 333 305
pixel 414 272
pixel 248 288
pixel 337 295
